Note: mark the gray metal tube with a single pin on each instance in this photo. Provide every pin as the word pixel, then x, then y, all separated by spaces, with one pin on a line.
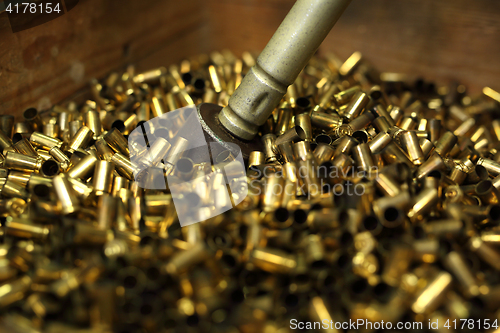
pixel 287 53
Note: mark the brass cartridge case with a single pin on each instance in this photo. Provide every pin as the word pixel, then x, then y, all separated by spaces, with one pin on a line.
pixel 286 152
pixel 435 162
pixel 157 204
pixel 16 161
pixel 303 120
pixel 423 203
pixel 345 96
pixel 363 157
pixel 20 130
pixel 397 264
pixel 24 147
pixel 130 123
pixel 74 126
pixel 32 118
pixel 256 158
pixel 43 141
pixel 84 168
pixel 495 124
pixel 491 166
pixel 185 168
pixel 401 201
pixel 183 260
pixel 324 219
pixel 284 117
pixel 325 120
pixel 158 107
pixel 12 207
pixel 485 252
pixel 393 154
pixel 117 141
pixel 408 123
pixel 66 194
pixel 387 185
pixel 410 141
pixel 392 217
pixel 291 135
pixel 103 150
pixel 496 182
pixel 14 291
pixel 19 177
pixel 381 111
pixel 268 141
pixel 323 153
pixel 81 139
pixel 434 129
pixel 123 166
pixel 50 168
pixel 487 192
pixel 464 127
pixel 87 234
pixel 427 147
pixel 273 191
pixel 455 263
pixel 143 113
pixel 5 142
pixel 345 145
pixel 379 142
pixel 12 189
pixel 491 238
pixel 357 104
pixel 175 153
pixel 342 163
pixel 106 211
pixel 63 120
pixel 23 229
pixel 432 295
pixel 93 122
pixel 151 76
pixel 325 100
pixel 156 153
pixel 323 139
pixel 7 125
pixel 60 157
pixel 444 227
pixel 103 177
pixel 319 312
pixel 273 260
pixel 307 173
pixel 361 122
pixel 444 145
pixel 314 251
pixel 381 124
pixel 291 182
pixel 426 250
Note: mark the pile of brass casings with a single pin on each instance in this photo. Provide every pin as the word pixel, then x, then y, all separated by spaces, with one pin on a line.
pixel 393 211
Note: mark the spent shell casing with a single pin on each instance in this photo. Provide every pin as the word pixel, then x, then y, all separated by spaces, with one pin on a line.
pixel 66 194
pixel 103 177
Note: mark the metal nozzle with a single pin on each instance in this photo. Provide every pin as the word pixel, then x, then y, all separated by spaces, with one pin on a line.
pixel 279 64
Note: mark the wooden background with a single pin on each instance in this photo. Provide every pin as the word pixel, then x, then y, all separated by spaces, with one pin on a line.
pixel 436 39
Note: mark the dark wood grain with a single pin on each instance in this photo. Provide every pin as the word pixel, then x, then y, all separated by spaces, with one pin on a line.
pixel 439 40
pixel 45 64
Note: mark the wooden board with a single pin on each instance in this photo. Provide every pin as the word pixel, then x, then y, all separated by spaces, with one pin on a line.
pixel 442 40
pixel 45 64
